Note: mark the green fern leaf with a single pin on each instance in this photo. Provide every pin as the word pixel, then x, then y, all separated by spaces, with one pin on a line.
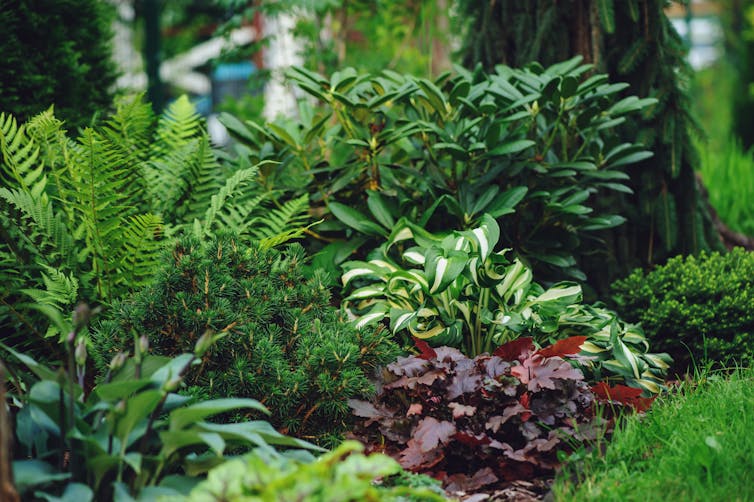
pixel 222 200
pixel 142 249
pixel 19 155
pixel 286 222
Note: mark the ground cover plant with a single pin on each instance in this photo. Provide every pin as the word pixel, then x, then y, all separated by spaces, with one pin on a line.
pixel 284 343
pixel 696 307
pixel 694 444
pixel 474 423
pixel 531 147
pixel 344 474
pixel 132 436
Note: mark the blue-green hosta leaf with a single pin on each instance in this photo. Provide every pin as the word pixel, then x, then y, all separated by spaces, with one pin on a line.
pixel 371 291
pixel 486 236
pixel 414 256
pixel 561 293
pixel 660 361
pixel 30 473
pixel 400 319
pixel 74 492
pixel 518 277
pixel 627 358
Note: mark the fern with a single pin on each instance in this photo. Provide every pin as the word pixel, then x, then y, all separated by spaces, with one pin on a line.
pixel 283 224
pixel 19 155
pixel 41 229
pixel 142 249
pixel 225 209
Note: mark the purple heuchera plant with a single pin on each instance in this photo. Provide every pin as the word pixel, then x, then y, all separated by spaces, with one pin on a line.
pixel 477 422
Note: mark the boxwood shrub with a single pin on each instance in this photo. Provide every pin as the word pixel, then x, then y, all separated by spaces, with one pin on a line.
pixel 696 307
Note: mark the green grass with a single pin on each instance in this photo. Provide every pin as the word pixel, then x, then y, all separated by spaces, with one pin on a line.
pixel 697 444
pixel 728 174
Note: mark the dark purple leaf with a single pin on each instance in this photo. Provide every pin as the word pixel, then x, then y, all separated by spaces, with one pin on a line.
pixel 461 410
pixel 466 483
pixel 494 422
pixel 430 433
pixel 539 372
pixel 414 458
pixel 408 366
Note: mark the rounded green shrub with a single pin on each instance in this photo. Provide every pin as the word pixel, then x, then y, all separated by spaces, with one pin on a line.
pixel 695 307
pixel 283 344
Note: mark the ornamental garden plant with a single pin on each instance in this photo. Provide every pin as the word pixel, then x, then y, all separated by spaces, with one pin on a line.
pixel 401 267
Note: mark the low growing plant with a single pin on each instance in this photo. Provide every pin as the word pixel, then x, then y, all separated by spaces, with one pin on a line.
pixel 473 423
pixel 456 290
pixel 342 475
pixel 284 343
pixel 695 307
pixel 129 437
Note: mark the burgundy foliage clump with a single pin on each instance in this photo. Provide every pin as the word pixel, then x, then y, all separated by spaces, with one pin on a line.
pixel 478 422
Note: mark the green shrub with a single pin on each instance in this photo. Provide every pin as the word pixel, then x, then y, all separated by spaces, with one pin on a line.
pixel 285 344
pixel 531 147
pixel 131 435
pixel 56 53
pixel 697 307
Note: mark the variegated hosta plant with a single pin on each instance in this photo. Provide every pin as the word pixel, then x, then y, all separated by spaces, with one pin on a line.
pixel 614 349
pixel 457 290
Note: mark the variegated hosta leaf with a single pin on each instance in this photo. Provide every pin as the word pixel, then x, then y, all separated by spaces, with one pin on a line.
pixel 441 269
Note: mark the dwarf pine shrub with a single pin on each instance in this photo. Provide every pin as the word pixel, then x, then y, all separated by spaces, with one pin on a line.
pixel 283 344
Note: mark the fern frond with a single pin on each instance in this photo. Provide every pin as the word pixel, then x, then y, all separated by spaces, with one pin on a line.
pixel 61 290
pixel 179 124
pixel 287 222
pixel 141 251
pixel 223 208
pixel 43 231
pixel 19 155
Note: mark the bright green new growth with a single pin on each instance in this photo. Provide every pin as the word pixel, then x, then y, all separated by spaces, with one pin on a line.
pixel 284 343
pixel 457 290
pixel 695 307
pixel 342 475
